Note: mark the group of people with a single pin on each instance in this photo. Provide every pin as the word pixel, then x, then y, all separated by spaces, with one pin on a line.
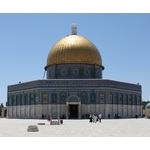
pixel 95 118
pixel 117 116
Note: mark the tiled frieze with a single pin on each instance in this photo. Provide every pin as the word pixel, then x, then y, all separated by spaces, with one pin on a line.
pixel 56 83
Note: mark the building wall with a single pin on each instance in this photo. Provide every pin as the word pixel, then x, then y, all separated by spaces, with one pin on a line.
pixel 48 100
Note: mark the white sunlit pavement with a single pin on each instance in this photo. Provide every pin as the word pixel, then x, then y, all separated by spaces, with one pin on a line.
pixel 76 128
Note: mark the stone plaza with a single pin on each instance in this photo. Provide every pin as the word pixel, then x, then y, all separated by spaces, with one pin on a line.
pixel 76 128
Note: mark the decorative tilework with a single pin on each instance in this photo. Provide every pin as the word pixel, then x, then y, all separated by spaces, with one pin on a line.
pixel 74 71
pixel 73 87
pixel 83 96
pixel 45 97
pixel 63 97
pixel 53 98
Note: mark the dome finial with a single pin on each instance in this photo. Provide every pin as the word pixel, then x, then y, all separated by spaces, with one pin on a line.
pixel 74 29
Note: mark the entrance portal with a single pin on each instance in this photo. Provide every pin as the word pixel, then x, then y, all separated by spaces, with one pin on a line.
pixel 73 111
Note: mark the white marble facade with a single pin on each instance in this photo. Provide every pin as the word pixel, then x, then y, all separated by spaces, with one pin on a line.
pixel 36 111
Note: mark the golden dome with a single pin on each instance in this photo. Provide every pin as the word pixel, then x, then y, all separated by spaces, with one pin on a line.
pixel 74 49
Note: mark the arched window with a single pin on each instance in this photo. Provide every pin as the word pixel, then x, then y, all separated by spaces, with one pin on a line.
pixel 62 97
pixel 25 99
pixel 126 99
pixel 83 97
pixel 45 97
pixel 31 99
pixel 53 98
pixel 21 99
pixel 13 100
pixel 135 100
pixel 115 99
pixel 81 71
pixel 93 98
pixel 130 100
pixel 102 97
pixel 121 99
pixel 139 100
pixel 10 100
pixel 110 98
pixel 17 100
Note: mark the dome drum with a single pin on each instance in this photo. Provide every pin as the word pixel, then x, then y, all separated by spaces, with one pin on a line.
pixel 74 71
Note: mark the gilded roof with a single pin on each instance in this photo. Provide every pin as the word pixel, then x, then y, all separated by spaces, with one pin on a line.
pixel 74 49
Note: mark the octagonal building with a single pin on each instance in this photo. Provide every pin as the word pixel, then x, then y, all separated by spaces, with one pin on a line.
pixel 74 87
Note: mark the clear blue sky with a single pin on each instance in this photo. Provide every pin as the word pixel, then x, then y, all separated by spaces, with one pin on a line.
pixel 123 41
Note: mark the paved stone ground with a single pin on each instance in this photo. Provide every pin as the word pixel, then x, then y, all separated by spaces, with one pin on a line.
pixel 76 128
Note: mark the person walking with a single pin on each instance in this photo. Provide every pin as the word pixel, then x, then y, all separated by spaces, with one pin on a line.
pixel 90 119
pixel 95 118
pixel 100 117
pixel 136 115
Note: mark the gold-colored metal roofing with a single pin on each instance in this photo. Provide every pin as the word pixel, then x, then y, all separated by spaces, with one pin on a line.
pixel 74 49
